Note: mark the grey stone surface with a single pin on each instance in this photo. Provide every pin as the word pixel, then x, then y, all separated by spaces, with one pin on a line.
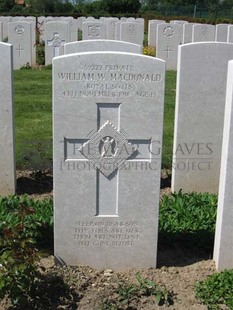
pixel 108 122
pixel 73 35
pixel 152 31
pixel 20 35
pixel 56 34
pixel 1 31
pixel 188 32
pixel 223 247
pixel 167 41
pixel 203 33
pixel 80 21
pixel 199 116
pixel 132 32
pixel 181 23
pixel 111 28
pixel 101 45
pixel 118 30
pixel 94 30
pixel 33 34
pixel 7 158
pixel 221 32
pixel 5 20
pixel 230 34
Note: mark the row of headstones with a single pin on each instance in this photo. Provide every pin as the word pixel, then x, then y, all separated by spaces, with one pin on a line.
pixel 193 32
pixel 56 32
pixel 105 165
pixel 168 36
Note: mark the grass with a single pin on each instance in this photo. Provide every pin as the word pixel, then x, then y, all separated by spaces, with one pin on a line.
pixel 216 290
pixel 169 112
pixel 33 118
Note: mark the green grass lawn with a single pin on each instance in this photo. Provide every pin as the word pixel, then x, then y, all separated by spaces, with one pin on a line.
pixel 33 118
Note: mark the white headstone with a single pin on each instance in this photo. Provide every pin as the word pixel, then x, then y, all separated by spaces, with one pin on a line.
pixel 1 31
pixel 168 39
pixel 152 31
pixel 94 30
pixel 56 34
pixel 7 158
pixel 5 20
pixel 132 32
pixel 101 45
pixel 203 33
pixel 200 102
pixel 33 33
pixel 223 247
pixel 118 30
pixel 20 35
pixel 181 23
pixel 73 35
pixel 111 104
pixel 80 21
pixel 188 32
pixel 41 26
pixel 111 28
pixel 221 32
pixel 230 34
pixel 178 22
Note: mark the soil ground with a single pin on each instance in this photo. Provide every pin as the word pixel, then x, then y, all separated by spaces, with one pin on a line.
pixel 82 287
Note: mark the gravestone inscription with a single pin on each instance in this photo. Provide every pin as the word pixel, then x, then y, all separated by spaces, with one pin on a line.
pixel 108 120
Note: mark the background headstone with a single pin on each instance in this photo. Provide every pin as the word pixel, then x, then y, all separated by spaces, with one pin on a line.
pixel 111 104
pixel 5 20
pixel 73 35
pixel 181 23
pixel 56 34
pixel 1 31
pixel 152 31
pixel 221 32
pixel 132 32
pixel 199 115
pixel 94 30
pixel 230 34
pixel 223 248
pixel 101 45
pixel 20 35
pixel 188 32
pixel 203 33
pixel 7 156
pixel 168 39
pixel 111 28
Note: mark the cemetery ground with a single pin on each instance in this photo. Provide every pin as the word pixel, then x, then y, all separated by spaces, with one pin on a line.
pixel 32 281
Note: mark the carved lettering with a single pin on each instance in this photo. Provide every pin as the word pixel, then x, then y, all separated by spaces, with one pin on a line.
pixel 106 234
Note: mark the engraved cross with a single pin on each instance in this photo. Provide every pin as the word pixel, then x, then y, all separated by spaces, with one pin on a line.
pixel 107 150
pixel 167 51
pixel 19 49
pixel 56 43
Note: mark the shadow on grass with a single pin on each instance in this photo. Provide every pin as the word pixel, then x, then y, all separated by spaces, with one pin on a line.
pixel 38 182
pixel 183 249
pixel 51 293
